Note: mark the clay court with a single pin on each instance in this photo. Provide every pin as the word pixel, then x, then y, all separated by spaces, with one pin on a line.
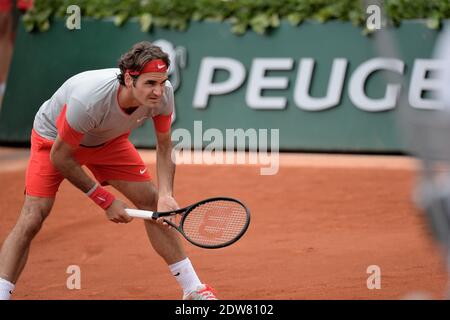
pixel 316 227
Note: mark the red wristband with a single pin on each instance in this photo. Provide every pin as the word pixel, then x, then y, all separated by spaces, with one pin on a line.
pixel 102 197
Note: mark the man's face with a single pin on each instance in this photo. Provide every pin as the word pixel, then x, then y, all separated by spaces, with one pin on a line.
pixel 149 88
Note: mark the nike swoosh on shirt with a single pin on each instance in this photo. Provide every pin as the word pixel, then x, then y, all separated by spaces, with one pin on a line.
pixel 160 66
pixel 143 171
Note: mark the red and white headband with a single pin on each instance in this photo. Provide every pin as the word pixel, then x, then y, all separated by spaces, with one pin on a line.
pixel 157 65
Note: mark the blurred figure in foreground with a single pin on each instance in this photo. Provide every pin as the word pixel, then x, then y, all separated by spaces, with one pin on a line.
pixel 428 135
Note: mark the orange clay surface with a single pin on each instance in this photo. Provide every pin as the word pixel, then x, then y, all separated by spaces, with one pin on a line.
pixel 317 225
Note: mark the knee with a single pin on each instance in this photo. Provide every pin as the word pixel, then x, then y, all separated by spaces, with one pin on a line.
pixel 30 222
pixel 149 202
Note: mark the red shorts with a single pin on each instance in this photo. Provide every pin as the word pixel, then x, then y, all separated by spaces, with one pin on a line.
pixel 118 159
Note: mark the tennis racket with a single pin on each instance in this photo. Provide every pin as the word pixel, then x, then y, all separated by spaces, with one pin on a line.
pixel 211 223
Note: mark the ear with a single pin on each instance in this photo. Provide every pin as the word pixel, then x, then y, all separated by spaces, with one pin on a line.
pixel 128 80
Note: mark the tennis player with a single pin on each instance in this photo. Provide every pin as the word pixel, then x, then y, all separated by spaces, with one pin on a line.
pixel 87 122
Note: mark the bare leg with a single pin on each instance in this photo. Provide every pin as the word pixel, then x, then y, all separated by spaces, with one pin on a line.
pixel 14 252
pixel 167 243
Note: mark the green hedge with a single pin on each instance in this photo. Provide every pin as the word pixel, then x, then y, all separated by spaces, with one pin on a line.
pixel 258 15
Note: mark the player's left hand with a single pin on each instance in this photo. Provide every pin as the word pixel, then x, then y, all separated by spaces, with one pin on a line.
pixel 166 203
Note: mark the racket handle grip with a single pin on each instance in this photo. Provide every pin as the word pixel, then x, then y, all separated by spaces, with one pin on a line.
pixel 143 214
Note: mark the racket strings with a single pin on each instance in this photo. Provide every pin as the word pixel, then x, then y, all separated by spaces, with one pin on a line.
pixel 214 223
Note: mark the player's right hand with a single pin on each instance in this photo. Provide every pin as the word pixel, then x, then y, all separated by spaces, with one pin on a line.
pixel 116 212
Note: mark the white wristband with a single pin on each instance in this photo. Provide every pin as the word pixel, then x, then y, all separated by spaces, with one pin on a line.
pixel 92 190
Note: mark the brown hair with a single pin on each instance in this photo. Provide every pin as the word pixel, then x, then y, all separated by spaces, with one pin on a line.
pixel 138 56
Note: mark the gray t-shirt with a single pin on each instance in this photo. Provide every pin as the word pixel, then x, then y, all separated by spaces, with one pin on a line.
pixel 93 109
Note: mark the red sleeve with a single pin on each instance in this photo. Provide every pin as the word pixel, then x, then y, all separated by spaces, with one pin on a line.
pixel 162 122
pixel 66 133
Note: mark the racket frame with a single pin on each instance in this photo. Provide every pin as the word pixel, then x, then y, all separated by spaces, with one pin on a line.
pixel 221 245
pixel 184 212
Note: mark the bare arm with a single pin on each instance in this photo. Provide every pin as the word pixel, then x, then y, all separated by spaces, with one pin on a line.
pixel 62 158
pixel 164 165
pixel 166 173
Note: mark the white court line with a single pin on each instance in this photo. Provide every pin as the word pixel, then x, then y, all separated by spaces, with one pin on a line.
pixel 327 160
pixel 16 159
